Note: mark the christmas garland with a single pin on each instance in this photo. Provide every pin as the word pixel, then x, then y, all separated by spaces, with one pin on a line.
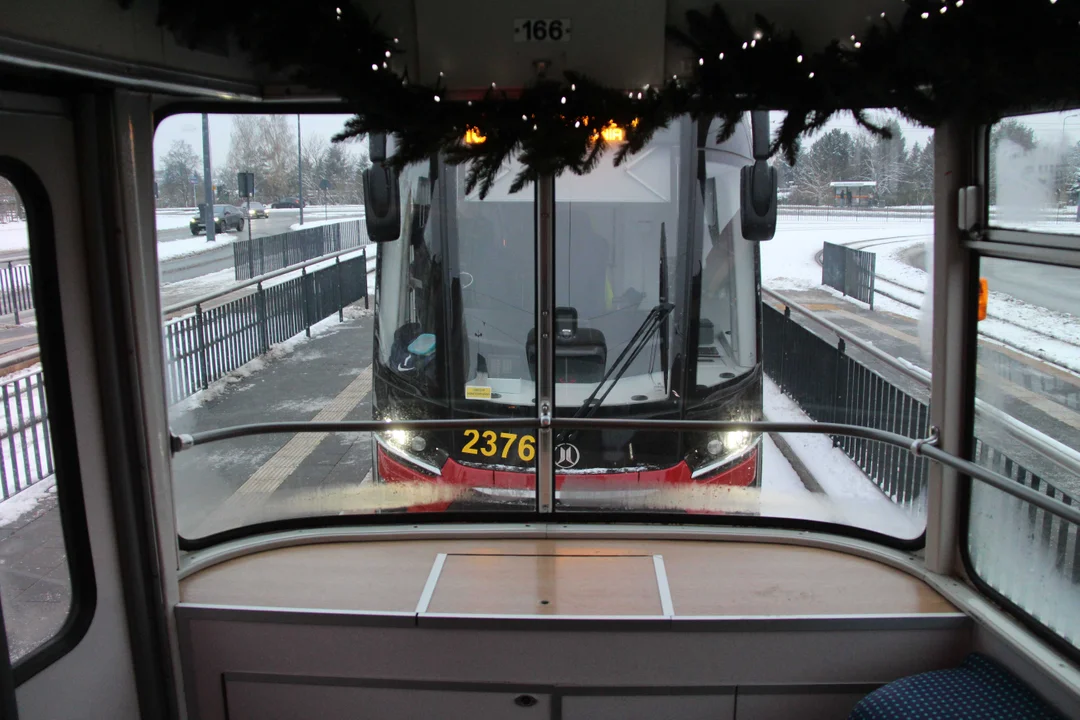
pixel 965 60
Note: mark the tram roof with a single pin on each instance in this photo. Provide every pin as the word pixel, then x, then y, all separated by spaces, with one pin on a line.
pixel 621 43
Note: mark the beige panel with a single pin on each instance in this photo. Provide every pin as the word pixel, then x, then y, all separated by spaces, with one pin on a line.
pixel 706 578
pixel 547 585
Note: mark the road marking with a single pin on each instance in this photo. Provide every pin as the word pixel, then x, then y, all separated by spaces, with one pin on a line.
pixel 275 471
pixel 17 338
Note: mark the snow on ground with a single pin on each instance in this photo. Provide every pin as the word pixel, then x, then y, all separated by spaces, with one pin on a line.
pixel 174 218
pixel 358 215
pixel 219 387
pixel 14 236
pixel 192 246
pixel 783 493
pixel 787 261
pixel 26 501
pixel 850 497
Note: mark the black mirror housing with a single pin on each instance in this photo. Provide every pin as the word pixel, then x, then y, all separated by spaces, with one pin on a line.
pixel 382 203
pixel 758 196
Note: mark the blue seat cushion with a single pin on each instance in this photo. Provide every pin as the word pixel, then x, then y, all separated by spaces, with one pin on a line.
pixel 979 688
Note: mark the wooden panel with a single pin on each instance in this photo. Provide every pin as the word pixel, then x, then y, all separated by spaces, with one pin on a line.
pixel 547 585
pixel 706 578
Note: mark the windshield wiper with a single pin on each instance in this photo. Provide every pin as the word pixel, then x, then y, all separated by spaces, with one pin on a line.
pixel 633 348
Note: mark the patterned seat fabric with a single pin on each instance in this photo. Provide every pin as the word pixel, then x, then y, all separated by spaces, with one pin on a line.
pixel 979 688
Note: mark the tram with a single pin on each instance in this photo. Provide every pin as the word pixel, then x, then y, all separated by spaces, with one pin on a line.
pixel 656 297
pixel 599 445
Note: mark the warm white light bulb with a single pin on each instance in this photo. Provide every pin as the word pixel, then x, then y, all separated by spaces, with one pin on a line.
pixel 374 66
pixel 811 75
pixel 721 56
pixel 745 45
pixel 701 61
pixel 438 99
pixel 387 53
pixel 925 15
pixel 563 100
pixel 858 45
pixel 798 59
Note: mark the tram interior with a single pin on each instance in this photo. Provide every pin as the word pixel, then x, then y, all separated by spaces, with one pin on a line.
pixel 155 573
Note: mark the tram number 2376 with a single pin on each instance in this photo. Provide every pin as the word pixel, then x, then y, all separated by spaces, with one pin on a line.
pixel 529 30
pixel 506 445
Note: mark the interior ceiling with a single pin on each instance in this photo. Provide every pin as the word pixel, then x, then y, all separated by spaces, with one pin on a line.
pixel 619 42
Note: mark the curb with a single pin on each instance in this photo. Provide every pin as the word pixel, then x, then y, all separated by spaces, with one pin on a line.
pixel 797 465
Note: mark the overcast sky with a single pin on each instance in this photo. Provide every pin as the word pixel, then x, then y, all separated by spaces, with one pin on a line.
pixel 189 128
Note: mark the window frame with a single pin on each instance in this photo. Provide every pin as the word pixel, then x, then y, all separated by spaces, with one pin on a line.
pixel 1027 246
pixel 52 346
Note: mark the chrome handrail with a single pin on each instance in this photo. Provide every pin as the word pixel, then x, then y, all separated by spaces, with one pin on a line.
pixel 920 447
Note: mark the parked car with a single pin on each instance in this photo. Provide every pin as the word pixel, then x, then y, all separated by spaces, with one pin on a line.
pixel 289 202
pixel 257 210
pixel 226 217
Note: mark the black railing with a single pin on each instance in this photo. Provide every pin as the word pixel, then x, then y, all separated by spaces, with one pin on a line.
pixel 831 387
pixel 261 255
pixel 16 291
pixel 25 441
pixel 850 271
pixel 212 342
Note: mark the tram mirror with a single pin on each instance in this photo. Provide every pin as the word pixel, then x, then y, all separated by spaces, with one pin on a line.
pixel 377 147
pixel 758 204
pixel 759 184
pixel 382 203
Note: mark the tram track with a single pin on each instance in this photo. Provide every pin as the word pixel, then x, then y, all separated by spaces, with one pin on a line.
pixel 917 305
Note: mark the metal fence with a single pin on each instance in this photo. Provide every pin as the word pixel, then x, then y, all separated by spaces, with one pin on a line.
pixel 261 255
pixel 858 214
pixel 850 271
pixel 16 290
pixel 212 342
pixel 831 387
pixel 25 441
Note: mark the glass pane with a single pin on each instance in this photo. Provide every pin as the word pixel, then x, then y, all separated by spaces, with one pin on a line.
pixel 35 582
pixel 1034 163
pixel 434 324
pixel 662 319
pixel 1028 429
pixel 852 247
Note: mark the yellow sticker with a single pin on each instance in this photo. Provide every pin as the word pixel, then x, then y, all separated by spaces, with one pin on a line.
pixel 476 392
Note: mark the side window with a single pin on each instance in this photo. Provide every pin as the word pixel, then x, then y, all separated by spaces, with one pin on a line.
pixel 35 577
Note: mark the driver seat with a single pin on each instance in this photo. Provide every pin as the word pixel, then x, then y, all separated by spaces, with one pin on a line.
pixel 580 353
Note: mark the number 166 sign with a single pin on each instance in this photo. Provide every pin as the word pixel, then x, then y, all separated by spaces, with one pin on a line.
pixel 527 30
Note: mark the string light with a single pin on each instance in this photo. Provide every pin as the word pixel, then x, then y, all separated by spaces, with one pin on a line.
pixel 438 99
pixel 395 41
pixel 563 100
pixel 385 66
pixel 944 9
pixel 798 59
pixel 524 118
pixel 573 87
pixel 721 56
pixel 374 67
pixel 811 76
pixel 577 123
pixel 925 15
pixel 745 45
pixel 883 14
pixel 387 53
pixel 701 61
pixel 469 103
pixel 753 43
pixel 959 3
pixel 639 96
pixel 758 34
pixel 858 45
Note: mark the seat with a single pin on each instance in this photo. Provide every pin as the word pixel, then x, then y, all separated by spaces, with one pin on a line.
pixel 979 688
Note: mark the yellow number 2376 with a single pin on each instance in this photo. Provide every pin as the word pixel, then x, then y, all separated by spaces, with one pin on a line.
pixel 490 443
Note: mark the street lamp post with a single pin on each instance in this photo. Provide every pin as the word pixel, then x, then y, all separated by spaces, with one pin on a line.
pixel 300 169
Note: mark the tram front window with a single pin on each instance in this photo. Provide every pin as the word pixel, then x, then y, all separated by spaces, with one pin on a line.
pixel 655 318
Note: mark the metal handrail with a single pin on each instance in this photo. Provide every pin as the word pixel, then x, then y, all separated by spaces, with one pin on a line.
pixel 925 447
pixel 262 278
pixel 1060 454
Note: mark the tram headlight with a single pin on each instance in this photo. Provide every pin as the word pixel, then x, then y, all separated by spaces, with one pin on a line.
pixel 422 449
pixel 711 453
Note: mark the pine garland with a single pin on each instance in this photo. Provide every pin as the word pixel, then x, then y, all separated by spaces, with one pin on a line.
pixel 966 60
